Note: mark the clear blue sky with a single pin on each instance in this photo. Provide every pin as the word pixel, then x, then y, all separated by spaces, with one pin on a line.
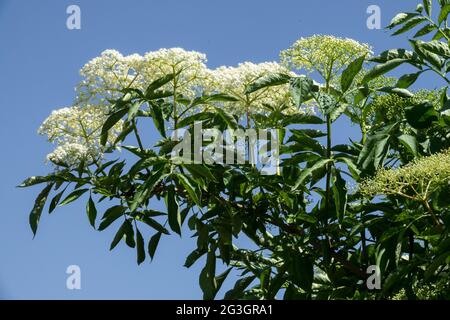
pixel 39 63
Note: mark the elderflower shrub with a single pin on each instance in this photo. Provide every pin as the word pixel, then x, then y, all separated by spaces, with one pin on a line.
pixel 105 76
pixel 417 179
pixel 326 55
pixel 76 132
pixel 235 80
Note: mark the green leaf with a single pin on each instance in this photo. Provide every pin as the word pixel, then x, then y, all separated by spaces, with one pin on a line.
pixel 140 247
pixel 189 188
pixel 410 143
pixel 174 216
pixel 392 54
pixel 301 88
pixel 425 30
pixel 301 119
pixel 201 116
pixel 39 204
pixel 349 74
pixel 301 271
pixel 147 187
pixel 110 122
pixel 129 234
pixel 91 212
pixel 239 288
pixel 158 83
pixel 381 69
pixel 152 223
pixel 427 55
pixel 158 119
pixel 405 93
pixel 153 244
pixel 374 151
pixel 401 18
pixel 73 196
pixel 31 181
pixel 409 25
pixel 421 116
pixel 339 189
pixel 133 110
pixel 207 276
pixel 111 215
pixel 438 47
pixel 427 5
pixel 199 170
pixel 306 172
pixel 227 118
pixel 407 80
pixel 193 257
pixel 444 13
pixel 221 278
pixel 55 201
pixel 268 81
pixel 119 235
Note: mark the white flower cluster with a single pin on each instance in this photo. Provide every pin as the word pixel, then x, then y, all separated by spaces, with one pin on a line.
pixel 106 75
pixel 327 55
pixel 235 80
pixel 70 154
pixel 76 132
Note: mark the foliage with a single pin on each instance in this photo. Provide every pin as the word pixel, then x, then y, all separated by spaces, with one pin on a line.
pixel 315 234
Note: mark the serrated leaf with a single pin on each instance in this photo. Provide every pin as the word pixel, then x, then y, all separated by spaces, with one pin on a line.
pixel 427 5
pixel 153 224
pixel 407 80
pixel 31 181
pixel 382 68
pixel 189 188
pixel 306 172
pixel 268 81
pixel 200 170
pixel 173 211
pixel 157 84
pixel 91 211
pixel 158 119
pixel 409 25
pixel 140 247
pixel 55 201
pixel 444 13
pixel 401 18
pixel 119 235
pixel 153 244
pixel 349 74
pixel 111 215
pixel 73 196
pixel 110 122
pixel 39 204
pixel 410 143
pixel 425 30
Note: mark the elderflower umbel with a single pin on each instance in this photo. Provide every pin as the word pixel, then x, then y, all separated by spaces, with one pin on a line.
pixel 235 80
pixel 327 55
pixel 104 77
pixel 76 132
pixel 416 180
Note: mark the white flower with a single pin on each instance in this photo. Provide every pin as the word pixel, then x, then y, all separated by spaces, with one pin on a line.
pixel 70 154
pixel 235 80
pixel 72 128
pixel 106 75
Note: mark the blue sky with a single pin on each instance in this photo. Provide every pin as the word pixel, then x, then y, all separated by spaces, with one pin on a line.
pixel 39 63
